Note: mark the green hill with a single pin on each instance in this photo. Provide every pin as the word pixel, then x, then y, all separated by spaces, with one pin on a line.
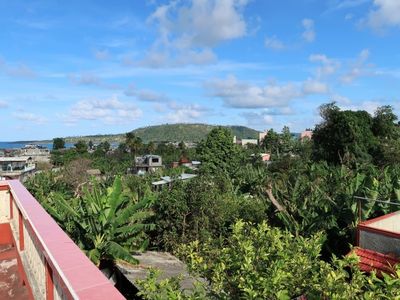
pixel 187 132
pixel 168 133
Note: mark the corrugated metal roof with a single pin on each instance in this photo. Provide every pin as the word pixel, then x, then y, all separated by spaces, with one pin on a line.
pixel 375 261
pixel 168 179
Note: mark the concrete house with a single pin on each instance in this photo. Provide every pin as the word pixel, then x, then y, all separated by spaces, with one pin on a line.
pixel 36 152
pixel 16 167
pixel 306 134
pixel 147 163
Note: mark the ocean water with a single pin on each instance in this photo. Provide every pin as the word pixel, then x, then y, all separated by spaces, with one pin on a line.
pixel 13 145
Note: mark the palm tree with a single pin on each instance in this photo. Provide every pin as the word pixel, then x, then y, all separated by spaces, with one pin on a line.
pixel 151 147
pixel 133 142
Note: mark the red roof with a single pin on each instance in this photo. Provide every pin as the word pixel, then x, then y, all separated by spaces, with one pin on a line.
pixel 375 261
pixel 184 160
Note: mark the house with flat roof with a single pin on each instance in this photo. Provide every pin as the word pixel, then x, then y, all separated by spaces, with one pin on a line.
pixel 262 135
pixel 16 167
pixel 147 163
pixel 244 142
pixel 37 152
pixel 306 134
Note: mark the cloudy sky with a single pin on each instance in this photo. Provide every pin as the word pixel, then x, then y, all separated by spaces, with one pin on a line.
pixel 88 67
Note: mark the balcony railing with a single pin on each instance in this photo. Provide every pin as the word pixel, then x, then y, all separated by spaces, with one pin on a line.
pixel 54 265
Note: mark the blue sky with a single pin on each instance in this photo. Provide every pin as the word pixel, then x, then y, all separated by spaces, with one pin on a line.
pixel 96 67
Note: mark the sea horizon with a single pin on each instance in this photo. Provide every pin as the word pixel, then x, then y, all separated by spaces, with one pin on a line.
pixel 21 144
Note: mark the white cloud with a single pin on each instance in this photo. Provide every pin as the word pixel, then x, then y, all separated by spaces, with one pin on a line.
pixel 312 86
pixel 273 43
pixel 3 104
pixel 175 112
pixel 309 31
pixel 146 95
pixel 34 24
pixel 101 54
pixel 92 80
pixel 369 106
pixel 258 118
pixel 241 94
pixel 364 54
pixel 28 116
pixel 341 99
pixel 108 111
pixel 176 58
pixel 386 13
pixel 185 113
pixel 328 66
pixel 345 4
pixel 187 31
pixel 358 68
pixel 200 23
pixel 200 57
pixel 19 70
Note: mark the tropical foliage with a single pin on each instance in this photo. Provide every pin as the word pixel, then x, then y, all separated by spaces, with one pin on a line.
pixel 250 229
pixel 107 224
pixel 262 262
pixel 353 136
pixel 219 154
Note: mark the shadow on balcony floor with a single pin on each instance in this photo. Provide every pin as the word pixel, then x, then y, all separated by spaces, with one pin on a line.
pixel 11 283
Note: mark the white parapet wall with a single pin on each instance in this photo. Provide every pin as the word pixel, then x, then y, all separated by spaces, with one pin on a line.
pixel 381 234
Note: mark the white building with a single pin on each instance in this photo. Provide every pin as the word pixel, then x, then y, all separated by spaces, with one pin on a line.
pixel 38 153
pixel 16 167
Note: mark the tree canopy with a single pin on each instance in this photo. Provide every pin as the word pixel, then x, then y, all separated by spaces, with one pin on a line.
pixel 218 153
pixel 349 136
pixel 58 143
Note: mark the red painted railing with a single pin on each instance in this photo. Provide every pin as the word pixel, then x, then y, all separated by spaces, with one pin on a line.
pixel 55 266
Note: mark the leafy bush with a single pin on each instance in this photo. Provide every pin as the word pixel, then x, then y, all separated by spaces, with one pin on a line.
pixel 262 262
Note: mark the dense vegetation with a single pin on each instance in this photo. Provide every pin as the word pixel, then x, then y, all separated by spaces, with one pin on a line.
pixel 187 132
pixel 250 229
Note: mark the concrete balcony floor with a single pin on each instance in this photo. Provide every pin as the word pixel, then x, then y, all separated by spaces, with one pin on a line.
pixel 12 285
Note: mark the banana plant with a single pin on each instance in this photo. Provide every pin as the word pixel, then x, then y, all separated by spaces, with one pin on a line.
pixel 110 225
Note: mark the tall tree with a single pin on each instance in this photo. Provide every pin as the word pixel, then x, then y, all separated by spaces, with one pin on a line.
pixel 151 147
pixel 271 143
pixel 384 123
pixel 218 153
pixel 343 135
pixel 388 133
pixel 133 142
pixel 286 141
pixel 58 143
pixel 81 146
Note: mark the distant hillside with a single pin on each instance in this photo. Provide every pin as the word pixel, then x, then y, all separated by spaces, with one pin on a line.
pixel 187 132
pixel 168 133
